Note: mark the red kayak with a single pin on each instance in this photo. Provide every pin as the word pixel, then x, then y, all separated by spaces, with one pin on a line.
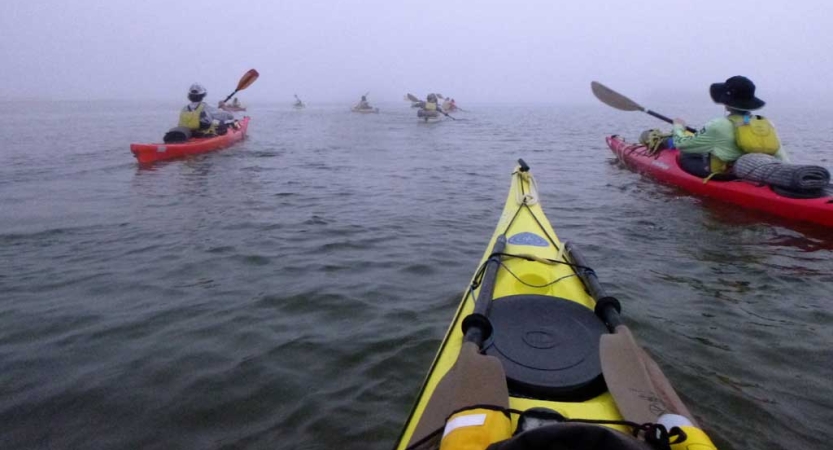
pixel 149 153
pixel 750 195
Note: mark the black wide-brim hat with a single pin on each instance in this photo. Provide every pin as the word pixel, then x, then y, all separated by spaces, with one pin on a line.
pixel 737 92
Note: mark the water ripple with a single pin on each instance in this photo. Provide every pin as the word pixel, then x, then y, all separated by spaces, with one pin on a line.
pixel 290 292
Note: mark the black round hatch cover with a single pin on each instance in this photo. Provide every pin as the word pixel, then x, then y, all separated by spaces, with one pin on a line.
pixel 549 346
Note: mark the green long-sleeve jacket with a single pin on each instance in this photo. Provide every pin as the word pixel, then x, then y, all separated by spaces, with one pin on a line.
pixel 717 137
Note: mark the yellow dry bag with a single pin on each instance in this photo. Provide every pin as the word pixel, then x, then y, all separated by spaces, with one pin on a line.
pixel 755 134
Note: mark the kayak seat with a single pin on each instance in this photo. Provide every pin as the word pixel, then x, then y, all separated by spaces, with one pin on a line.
pixel 549 347
pixel 698 165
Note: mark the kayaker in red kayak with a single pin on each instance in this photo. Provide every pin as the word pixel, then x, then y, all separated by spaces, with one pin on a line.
pixel 714 148
pixel 198 116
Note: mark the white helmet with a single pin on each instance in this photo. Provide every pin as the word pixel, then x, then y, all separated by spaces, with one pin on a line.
pixel 196 89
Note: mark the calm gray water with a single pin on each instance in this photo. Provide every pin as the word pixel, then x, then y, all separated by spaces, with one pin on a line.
pixel 290 292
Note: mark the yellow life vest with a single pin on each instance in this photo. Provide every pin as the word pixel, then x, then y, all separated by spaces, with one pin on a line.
pixel 191 119
pixel 755 134
pixel 430 106
pixel 475 429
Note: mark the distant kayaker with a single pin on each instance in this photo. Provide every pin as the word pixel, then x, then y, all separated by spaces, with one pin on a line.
pixel 235 102
pixel 431 103
pixel 713 149
pixel 430 108
pixel 363 104
pixel 198 116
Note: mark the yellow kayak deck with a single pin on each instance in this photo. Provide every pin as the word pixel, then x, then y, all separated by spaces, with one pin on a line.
pixel 528 232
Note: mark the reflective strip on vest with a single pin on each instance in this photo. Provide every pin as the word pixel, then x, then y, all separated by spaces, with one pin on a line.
pixel 475 429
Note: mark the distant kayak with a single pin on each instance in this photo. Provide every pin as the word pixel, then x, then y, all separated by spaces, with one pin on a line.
pixel 365 110
pixel 299 106
pixel 757 196
pixel 450 107
pixel 231 108
pixel 150 153
pixel 424 116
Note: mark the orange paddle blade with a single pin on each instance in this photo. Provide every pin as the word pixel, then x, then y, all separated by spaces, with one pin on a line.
pixel 247 79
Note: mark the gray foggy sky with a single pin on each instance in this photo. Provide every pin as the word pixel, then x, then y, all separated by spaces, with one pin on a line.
pixel 541 51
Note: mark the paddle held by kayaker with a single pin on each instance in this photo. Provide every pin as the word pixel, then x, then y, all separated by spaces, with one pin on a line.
pixel 298 103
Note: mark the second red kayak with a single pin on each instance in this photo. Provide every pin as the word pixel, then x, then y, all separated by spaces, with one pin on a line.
pixel 664 168
pixel 149 153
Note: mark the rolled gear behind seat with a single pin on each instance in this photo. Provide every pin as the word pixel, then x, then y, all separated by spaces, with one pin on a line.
pixel 768 169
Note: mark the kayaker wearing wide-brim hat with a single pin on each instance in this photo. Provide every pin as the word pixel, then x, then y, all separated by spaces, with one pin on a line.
pixel 430 108
pixel 737 93
pixel 713 149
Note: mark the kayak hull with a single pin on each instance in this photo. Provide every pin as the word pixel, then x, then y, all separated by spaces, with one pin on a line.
pixel 151 153
pixel 365 110
pixel 543 288
pixel 664 168
pixel 233 108
pixel 424 116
